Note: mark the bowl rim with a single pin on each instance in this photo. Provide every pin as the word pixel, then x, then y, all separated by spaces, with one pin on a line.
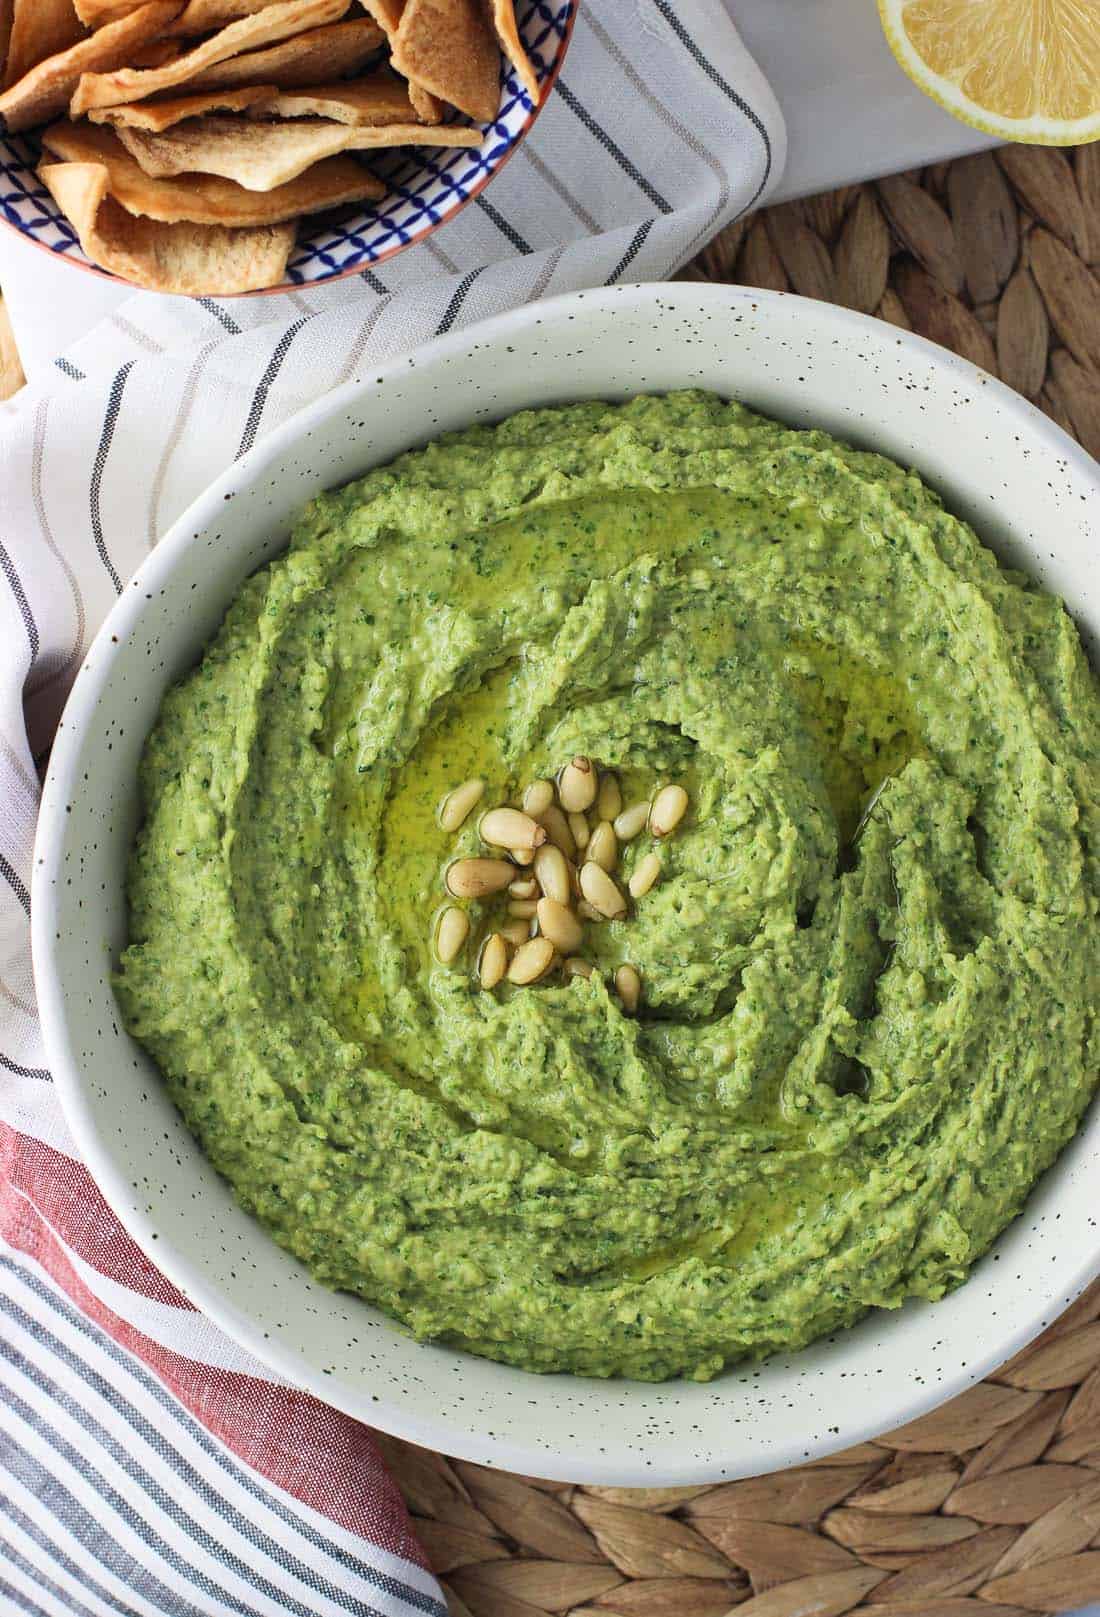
pixel 388 1413
pixel 545 90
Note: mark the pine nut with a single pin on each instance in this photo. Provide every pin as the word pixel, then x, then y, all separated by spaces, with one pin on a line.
pixel 531 961
pixel 603 846
pixel 558 923
pixel 523 887
pixel 645 874
pixel 538 797
pixel 579 827
pixel 557 829
pixel 588 912
pixel 609 799
pixel 630 821
pixel 629 987
pixel 451 934
pixel 576 967
pixel 577 785
pixel 522 856
pixel 601 892
pixel 669 808
pixel 473 878
pixel 552 873
pixel 494 961
pixel 457 804
pixel 516 932
pixel 508 828
pixel 522 908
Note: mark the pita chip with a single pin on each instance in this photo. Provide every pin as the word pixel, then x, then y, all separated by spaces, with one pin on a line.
pixel 155 53
pixel 310 58
pixel 95 13
pixel 11 367
pixel 504 21
pixel 428 108
pixel 159 115
pixel 448 48
pixel 386 13
pixel 203 16
pixel 263 156
pixel 380 98
pixel 276 22
pixel 6 10
pixel 208 199
pixel 183 258
pixel 45 91
pixel 39 29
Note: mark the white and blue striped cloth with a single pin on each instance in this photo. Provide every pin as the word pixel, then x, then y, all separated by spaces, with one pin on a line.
pixel 148 1467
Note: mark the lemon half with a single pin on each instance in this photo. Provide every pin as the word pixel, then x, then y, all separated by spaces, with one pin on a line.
pixel 1026 70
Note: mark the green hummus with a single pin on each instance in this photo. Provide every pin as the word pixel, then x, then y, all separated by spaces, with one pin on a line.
pixel 863 1035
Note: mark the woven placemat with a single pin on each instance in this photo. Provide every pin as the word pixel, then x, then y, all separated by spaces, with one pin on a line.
pixel 987 1507
pixel 989 255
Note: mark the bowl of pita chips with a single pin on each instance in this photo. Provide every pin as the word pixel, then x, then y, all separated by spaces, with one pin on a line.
pixel 222 147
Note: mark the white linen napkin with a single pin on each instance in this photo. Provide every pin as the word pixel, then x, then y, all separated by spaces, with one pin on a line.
pixel 146 1463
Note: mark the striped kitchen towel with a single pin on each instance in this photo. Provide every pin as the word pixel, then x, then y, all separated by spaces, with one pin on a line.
pixel 148 1465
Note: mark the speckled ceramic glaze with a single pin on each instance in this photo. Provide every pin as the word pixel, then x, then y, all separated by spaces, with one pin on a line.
pixel 1031 493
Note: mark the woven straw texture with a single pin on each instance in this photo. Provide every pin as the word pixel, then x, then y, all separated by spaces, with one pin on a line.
pixel 990 1506
pixel 996 256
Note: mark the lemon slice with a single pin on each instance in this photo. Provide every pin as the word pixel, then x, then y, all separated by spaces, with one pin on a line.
pixel 1023 69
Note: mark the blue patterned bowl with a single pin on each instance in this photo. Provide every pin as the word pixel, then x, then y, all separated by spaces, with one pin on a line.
pixel 426 186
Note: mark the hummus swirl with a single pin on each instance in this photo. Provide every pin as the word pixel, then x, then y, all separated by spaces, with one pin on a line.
pixel 870 966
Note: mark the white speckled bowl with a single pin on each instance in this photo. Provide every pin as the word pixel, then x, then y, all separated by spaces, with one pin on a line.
pixel 1030 492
